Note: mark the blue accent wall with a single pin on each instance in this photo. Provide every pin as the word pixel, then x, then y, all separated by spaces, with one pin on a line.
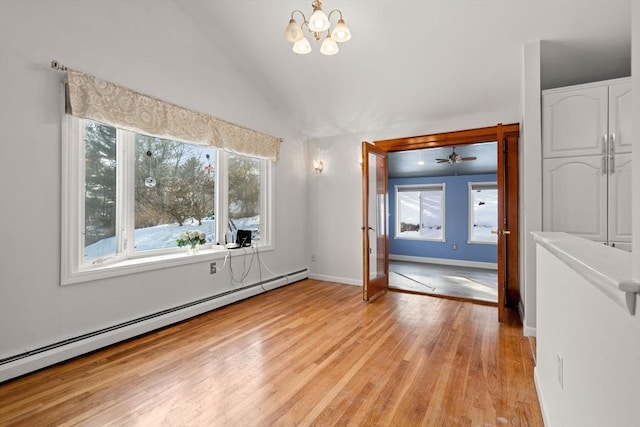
pixel 456 222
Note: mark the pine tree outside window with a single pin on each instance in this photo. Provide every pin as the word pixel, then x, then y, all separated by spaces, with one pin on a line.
pixel 127 197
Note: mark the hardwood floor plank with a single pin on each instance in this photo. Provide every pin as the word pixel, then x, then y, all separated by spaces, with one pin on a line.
pixel 311 353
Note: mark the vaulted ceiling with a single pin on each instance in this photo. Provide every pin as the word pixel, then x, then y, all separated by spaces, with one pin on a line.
pixel 412 61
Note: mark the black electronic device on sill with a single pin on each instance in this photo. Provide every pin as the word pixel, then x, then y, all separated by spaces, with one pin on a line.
pixel 243 238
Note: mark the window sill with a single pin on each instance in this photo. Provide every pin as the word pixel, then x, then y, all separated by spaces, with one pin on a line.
pixel 142 264
pixel 480 242
pixel 421 239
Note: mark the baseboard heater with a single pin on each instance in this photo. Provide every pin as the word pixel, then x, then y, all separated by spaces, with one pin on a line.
pixel 289 278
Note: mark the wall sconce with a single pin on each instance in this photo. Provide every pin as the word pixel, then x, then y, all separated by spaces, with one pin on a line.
pixel 318 166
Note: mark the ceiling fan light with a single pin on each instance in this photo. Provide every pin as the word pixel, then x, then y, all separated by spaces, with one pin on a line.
pixel 318 21
pixel 329 47
pixel 293 33
pixel 302 46
pixel 340 32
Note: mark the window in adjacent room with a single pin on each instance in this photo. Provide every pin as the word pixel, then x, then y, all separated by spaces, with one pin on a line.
pixel 483 212
pixel 420 212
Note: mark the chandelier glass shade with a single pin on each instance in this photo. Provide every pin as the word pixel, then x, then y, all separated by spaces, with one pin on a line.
pixel 317 25
pixel 302 46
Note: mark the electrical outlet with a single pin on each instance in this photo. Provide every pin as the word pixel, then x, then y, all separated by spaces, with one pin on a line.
pixel 560 371
pixel 212 268
pixel 313 258
pixel 454 247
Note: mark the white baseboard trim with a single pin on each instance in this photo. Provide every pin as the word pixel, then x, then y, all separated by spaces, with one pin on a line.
pixel 41 359
pixel 344 280
pixel 527 331
pixel 444 261
pixel 541 401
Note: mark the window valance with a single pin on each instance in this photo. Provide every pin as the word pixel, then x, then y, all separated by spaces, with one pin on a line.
pixel 92 98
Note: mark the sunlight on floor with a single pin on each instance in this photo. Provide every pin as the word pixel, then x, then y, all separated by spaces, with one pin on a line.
pixel 466 282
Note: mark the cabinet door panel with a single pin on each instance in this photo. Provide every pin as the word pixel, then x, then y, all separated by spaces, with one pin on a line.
pixel 574 122
pixel 620 116
pixel 620 199
pixel 575 196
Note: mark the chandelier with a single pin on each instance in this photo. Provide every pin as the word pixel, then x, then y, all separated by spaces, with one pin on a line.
pixel 317 25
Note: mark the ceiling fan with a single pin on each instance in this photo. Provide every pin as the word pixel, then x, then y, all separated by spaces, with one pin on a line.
pixel 455 158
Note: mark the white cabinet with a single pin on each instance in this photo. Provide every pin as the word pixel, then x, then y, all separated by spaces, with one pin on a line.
pixel 587 162
pixel 574 122
pixel 619 214
pixel 574 189
pixel 584 120
pixel 620 116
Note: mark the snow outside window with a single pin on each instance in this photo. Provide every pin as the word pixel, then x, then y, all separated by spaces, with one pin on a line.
pixel 245 183
pixel 128 197
pixel 420 212
pixel 483 212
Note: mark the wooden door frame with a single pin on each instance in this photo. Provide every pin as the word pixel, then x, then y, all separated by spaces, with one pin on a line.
pixel 372 289
pixel 511 133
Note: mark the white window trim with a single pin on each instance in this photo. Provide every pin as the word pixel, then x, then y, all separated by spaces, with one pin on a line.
pixel 416 187
pixel 72 207
pixel 470 216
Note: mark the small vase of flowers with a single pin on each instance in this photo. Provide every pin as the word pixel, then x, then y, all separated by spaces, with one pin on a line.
pixel 191 239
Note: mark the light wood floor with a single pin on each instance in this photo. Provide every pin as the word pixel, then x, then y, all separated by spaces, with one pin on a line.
pixel 311 353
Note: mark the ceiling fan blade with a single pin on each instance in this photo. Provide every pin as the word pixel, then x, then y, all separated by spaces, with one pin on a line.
pixel 468 158
pixel 442 160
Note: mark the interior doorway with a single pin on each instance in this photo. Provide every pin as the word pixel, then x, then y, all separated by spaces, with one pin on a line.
pixel 506 137
pixel 443 207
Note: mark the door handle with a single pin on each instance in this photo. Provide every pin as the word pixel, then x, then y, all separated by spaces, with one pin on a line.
pixel 500 232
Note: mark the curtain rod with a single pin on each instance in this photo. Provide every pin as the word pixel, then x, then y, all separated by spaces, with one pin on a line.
pixel 55 65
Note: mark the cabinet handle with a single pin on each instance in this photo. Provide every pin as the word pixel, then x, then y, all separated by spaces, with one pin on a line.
pixel 612 143
pixel 612 146
pixel 612 164
pixel 605 144
pixel 604 165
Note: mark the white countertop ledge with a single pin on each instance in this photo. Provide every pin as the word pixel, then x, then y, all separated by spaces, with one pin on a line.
pixel 607 268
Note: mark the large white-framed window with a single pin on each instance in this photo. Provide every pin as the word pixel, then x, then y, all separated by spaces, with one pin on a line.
pixel 420 212
pixel 483 212
pixel 127 198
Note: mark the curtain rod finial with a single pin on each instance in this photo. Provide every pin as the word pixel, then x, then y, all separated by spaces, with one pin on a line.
pixel 58 66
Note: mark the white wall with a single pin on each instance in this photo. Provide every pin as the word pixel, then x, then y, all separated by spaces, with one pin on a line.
pixel 335 197
pixel 153 48
pixel 635 83
pixel 598 342
pixel 597 339
pixel 335 210
pixel 530 181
